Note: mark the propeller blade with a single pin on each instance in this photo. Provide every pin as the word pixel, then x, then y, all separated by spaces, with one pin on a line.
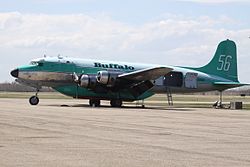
pixel 75 77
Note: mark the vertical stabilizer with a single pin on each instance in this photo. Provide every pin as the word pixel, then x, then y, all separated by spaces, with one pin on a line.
pixel 224 62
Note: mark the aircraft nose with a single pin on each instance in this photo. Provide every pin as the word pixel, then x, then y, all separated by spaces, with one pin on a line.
pixel 14 73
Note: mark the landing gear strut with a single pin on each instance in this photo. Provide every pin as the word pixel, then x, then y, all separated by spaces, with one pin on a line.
pixel 34 100
pixel 218 104
pixel 94 102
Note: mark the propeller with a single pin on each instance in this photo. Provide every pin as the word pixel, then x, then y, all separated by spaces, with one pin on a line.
pixel 75 78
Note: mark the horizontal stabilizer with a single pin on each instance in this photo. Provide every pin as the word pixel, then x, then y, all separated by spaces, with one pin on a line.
pixel 234 84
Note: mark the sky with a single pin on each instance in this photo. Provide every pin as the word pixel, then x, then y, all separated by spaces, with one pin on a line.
pixel 168 32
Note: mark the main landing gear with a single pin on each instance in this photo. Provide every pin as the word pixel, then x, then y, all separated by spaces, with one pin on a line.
pixel 34 100
pixel 97 103
pixel 94 102
pixel 116 103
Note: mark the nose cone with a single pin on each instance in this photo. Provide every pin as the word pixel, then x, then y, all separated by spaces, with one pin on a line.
pixel 14 73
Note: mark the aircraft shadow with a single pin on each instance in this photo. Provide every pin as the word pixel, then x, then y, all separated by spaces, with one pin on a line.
pixel 126 107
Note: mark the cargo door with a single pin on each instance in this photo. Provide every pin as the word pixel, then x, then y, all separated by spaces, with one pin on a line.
pixel 191 80
pixel 173 79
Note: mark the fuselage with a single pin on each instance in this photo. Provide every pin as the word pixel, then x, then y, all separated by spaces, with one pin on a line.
pixel 58 73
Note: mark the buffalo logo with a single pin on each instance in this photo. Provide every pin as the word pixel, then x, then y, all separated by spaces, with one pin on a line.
pixel 116 66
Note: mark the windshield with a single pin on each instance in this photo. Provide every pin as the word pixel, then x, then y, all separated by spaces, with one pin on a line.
pixel 35 63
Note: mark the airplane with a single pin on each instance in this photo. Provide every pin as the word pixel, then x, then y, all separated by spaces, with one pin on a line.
pixel 117 82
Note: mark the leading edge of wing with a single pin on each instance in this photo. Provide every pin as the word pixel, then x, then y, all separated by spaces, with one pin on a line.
pixel 146 74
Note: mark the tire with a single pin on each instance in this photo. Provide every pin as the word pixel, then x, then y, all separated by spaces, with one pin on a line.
pixel 34 100
pixel 94 102
pixel 116 103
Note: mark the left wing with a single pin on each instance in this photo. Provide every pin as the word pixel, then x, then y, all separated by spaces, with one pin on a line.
pixel 146 74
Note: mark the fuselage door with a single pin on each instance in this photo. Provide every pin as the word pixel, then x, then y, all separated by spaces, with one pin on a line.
pixel 173 79
pixel 191 80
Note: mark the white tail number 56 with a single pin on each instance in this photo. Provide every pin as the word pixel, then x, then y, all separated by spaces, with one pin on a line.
pixel 224 61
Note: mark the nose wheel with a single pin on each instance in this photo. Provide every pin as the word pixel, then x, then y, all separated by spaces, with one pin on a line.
pixel 34 100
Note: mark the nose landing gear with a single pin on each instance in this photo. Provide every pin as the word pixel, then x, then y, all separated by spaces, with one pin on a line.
pixel 34 100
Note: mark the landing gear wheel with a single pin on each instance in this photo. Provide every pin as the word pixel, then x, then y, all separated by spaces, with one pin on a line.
pixel 116 103
pixel 34 100
pixel 94 102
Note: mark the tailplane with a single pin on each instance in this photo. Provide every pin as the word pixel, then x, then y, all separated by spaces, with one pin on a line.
pixel 224 62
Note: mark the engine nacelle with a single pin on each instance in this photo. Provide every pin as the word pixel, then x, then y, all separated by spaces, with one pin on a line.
pixel 107 78
pixel 87 81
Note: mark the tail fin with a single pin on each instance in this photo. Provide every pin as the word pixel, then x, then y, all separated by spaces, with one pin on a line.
pixel 224 62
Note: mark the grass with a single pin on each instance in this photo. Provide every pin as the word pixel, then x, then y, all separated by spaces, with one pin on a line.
pixel 196 101
pixel 180 100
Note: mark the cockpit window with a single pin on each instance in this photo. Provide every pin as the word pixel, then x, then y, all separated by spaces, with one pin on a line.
pixel 34 63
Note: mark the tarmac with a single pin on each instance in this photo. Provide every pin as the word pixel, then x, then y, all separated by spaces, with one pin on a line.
pixel 69 133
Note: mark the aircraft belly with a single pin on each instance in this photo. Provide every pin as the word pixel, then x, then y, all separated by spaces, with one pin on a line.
pixel 83 93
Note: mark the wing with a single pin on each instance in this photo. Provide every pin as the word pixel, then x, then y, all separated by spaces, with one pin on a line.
pixel 139 82
pixel 146 74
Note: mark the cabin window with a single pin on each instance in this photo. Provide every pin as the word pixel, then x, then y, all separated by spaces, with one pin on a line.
pixel 173 79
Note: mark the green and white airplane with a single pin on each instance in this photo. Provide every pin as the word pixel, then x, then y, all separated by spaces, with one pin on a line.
pixel 98 80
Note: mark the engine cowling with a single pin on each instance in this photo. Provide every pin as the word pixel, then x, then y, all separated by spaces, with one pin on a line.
pixel 107 78
pixel 87 81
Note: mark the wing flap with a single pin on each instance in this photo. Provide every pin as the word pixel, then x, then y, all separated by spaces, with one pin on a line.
pixel 146 74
